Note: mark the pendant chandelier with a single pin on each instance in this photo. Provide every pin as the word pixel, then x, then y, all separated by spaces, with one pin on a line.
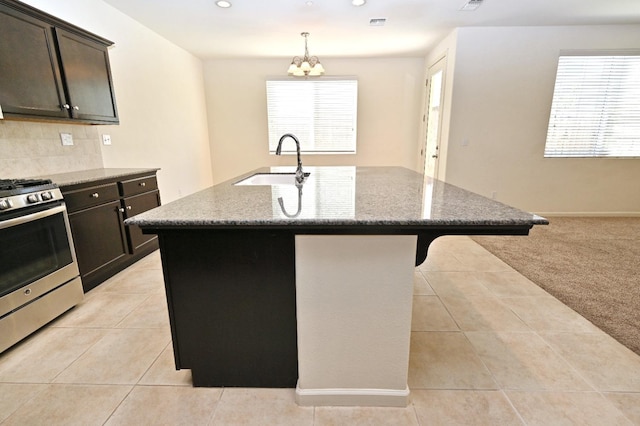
pixel 307 65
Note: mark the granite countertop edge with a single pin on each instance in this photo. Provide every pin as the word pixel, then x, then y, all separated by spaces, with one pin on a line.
pixel 310 223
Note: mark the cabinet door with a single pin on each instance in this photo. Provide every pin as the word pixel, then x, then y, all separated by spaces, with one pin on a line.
pixel 86 71
pixel 98 236
pixel 30 81
pixel 136 205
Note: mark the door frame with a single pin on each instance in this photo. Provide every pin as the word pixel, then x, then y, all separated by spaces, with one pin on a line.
pixel 439 65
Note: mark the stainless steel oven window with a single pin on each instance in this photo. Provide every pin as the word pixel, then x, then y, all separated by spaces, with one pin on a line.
pixel 32 247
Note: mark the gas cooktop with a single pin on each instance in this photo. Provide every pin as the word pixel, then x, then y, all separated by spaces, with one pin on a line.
pixel 12 184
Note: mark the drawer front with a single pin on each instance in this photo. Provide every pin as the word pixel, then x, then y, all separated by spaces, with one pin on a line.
pixel 136 205
pixel 138 185
pixel 88 197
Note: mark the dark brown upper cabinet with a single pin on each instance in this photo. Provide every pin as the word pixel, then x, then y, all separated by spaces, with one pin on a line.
pixel 86 71
pixel 52 70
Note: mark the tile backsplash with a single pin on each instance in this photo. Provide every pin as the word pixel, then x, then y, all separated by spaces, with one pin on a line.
pixel 35 149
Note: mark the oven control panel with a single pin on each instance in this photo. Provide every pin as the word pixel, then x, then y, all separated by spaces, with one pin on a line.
pixel 18 201
pixel 39 197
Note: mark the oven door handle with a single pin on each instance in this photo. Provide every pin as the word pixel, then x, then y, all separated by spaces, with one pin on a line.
pixel 33 216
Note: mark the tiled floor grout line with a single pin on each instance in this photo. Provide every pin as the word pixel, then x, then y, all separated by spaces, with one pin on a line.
pixel 513 407
pixel 152 363
pixel 118 405
pixel 569 363
pixel 415 414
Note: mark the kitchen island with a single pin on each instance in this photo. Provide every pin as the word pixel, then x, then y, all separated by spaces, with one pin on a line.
pixel 309 286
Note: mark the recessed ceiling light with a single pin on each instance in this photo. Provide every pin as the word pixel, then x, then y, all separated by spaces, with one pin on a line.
pixel 358 2
pixel 224 4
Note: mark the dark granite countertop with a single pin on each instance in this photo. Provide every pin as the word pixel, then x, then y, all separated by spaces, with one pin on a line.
pixel 334 197
pixel 94 175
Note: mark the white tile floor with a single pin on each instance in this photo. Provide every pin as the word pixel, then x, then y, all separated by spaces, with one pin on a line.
pixel 488 347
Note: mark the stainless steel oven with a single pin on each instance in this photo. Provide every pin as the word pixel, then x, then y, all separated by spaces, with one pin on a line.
pixel 39 278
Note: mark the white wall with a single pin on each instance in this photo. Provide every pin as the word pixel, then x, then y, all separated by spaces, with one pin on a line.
pixel 160 98
pixel 389 112
pixel 502 90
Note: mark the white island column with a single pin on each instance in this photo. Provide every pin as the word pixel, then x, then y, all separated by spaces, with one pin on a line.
pixel 354 300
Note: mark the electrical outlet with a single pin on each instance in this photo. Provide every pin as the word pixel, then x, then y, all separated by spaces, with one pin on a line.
pixel 67 139
pixel 106 139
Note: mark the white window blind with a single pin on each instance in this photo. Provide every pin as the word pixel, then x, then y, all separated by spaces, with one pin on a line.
pixel 596 107
pixel 322 113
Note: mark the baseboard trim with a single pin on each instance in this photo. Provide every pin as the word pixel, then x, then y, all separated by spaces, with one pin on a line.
pixel 352 397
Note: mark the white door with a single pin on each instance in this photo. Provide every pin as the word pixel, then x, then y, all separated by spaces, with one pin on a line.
pixel 433 117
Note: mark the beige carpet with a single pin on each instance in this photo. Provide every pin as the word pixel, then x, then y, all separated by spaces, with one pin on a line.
pixel 590 264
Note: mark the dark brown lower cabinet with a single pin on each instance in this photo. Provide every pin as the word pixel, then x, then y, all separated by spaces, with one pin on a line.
pixel 97 210
pixel 98 237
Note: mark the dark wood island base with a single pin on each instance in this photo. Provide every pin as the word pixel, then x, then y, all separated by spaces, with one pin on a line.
pixel 232 306
pixel 232 301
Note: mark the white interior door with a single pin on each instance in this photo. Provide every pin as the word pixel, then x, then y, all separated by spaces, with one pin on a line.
pixel 433 117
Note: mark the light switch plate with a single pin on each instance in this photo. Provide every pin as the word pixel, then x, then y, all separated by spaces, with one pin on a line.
pixel 106 139
pixel 66 138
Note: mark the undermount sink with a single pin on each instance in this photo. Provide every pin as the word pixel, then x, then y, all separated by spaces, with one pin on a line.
pixel 270 179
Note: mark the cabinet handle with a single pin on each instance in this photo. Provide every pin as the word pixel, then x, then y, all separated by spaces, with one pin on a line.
pixel 143 184
pixel 66 106
pixel 128 207
pixel 76 107
pixel 121 210
pixel 95 195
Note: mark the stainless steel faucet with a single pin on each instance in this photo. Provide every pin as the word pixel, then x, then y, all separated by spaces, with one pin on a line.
pixel 299 172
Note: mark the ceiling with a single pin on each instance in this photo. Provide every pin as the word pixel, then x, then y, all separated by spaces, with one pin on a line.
pixel 271 28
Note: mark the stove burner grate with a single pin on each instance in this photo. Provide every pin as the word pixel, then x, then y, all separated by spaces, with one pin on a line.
pixel 10 184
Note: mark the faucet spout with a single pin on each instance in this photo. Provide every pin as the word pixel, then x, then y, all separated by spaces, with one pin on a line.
pixel 299 172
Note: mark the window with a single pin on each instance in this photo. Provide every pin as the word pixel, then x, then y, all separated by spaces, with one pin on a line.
pixel 596 107
pixel 322 113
